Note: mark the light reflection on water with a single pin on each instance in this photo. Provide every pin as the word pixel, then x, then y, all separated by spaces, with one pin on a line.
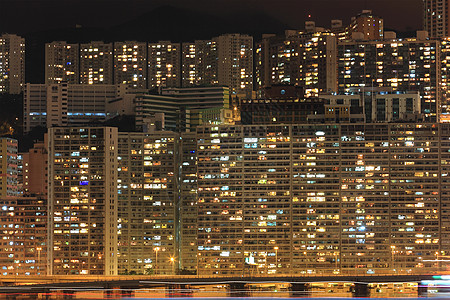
pixel 136 294
pixel 263 291
pixel 305 298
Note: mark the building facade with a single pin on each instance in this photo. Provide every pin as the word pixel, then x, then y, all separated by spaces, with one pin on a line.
pixel 402 65
pixel 34 170
pixel 187 209
pixel 318 66
pixel 199 64
pixel 23 222
pixel 322 199
pixel 180 109
pixel 436 18
pixel 164 64
pixel 279 111
pixel 66 104
pixel 130 64
pixel 12 59
pixel 147 201
pixel 369 25
pixel 304 59
pixel 235 63
pixel 9 168
pixel 34 106
pixel 371 106
pixel 96 63
pixel 82 201
pixel 62 63
pixel 278 59
pixel 157 197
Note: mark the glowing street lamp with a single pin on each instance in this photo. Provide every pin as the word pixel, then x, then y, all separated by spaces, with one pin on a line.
pixel 156 249
pixel 172 261
pixel 39 256
pixel 437 260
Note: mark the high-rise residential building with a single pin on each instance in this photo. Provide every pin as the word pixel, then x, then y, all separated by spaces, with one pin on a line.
pixel 445 79
pixel 278 59
pixel 304 59
pixel 191 62
pixel 24 236
pixel 369 25
pixel 65 104
pixel 147 184
pixel 62 63
pixel 199 63
pixel 34 106
pixel 157 195
pixel 82 197
pixel 34 170
pixel 208 57
pixel 96 63
pixel 399 64
pixel 130 64
pixel 8 168
pixel 12 63
pixel 322 199
pixel 20 177
pixel 187 209
pixel 164 64
pixel 89 63
pixel 226 60
pixel 436 18
pixel 235 63
pixel 318 64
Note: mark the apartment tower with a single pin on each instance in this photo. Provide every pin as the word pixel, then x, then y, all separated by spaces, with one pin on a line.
pixel 324 199
pixel 96 63
pixel 82 201
pixel 62 63
pixel 8 168
pixel 164 64
pixel 436 15
pixel 130 64
pixel 12 63
pixel 235 63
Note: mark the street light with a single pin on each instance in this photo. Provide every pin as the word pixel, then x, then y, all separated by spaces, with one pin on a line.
pixel 437 261
pixel 306 262
pixel 276 258
pixel 39 256
pixel 172 261
pixel 156 249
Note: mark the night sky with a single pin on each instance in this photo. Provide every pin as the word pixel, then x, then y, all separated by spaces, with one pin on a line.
pixel 25 16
